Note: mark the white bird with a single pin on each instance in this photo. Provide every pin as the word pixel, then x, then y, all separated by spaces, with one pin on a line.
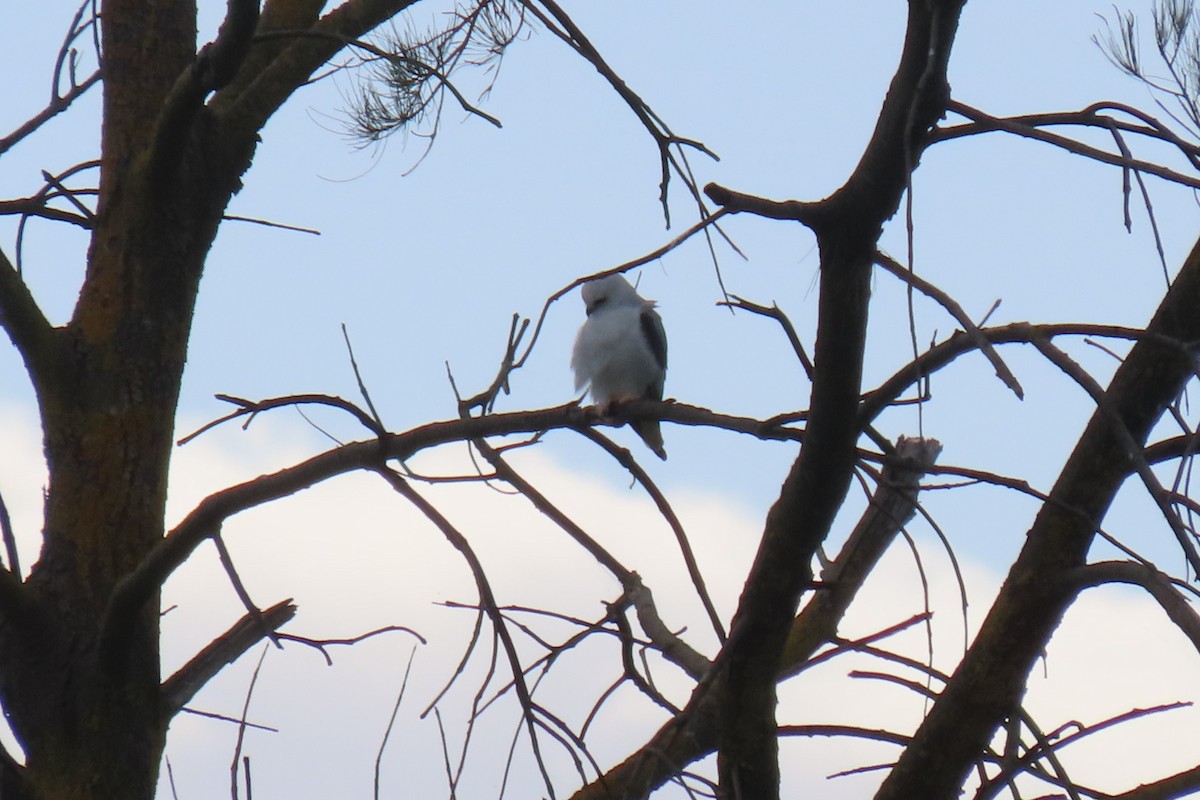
pixel 621 350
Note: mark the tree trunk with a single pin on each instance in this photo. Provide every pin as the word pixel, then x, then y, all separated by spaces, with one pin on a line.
pixel 79 639
pixel 81 686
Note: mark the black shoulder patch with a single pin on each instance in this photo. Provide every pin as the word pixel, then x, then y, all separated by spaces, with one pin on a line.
pixel 656 336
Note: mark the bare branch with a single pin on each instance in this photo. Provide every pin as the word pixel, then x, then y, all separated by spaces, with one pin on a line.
pixel 673 648
pixel 269 224
pixel 242 726
pixel 462 662
pixel 486 400
pixel 71 197
pixel 1176 447
pixel 1146 202
pixel 1022 717
pixel 845 730
pixel 181 687
pixel 875 401
pixel 506 473
pixel 892 505
pixel 631 671
pixel 866 644
pixel 487 599
pixel 1134 449
pixel 321 644
pixel 558 22
pixel 251 408
pixel 1049 745
pixel 36 207
pixel 226 718
pixel 670 645
pixel 988 683
pixel 392 720
pixel 1029 127
pixel 626 459
pixel 240 589
pixel 776 313
pixel 653 255
pixel 59 102
pixel 1179 785
pixel 955 310
pixel 734 202
pixel 1157 584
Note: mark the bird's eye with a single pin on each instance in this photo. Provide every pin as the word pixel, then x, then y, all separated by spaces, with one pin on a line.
pixel 599 301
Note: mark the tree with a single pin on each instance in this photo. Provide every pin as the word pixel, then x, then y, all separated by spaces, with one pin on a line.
pixel 80 630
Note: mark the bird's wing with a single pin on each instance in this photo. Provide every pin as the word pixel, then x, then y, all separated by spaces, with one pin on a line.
pixel 656 340
pixel 581 358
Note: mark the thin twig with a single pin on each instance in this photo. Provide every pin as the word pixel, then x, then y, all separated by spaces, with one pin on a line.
pixel 321 644
pixel 269 224
pixel 462 662
pixel 240 588
pixel 626 459
pixel 1160 586
pixel 960 342
pixel 558 22
pixel 1133 449
pixel 241 737
pixel 226 718
pixel 83 210
pixel 395 58
pixel 951 305
pixel 1030 126
pixel 775 313
pixel 55 107
pixel 631 671
pixel 362 386
pixel 392 720
pixel 653 255
pixel 251 408
pixel 488 599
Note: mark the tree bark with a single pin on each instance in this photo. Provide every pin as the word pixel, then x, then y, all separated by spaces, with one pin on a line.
pixel 80 678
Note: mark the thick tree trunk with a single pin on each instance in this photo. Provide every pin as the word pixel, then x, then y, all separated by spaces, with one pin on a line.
pixel 79 640
pixel 989 682
pixel 83 690
pixel 848 225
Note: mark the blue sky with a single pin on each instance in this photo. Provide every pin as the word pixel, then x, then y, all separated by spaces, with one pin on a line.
pixel 427 266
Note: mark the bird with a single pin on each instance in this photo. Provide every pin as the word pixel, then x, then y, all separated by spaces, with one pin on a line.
pixel 621 351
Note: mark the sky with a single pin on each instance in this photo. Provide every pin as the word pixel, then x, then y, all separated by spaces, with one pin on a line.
pixel 426 258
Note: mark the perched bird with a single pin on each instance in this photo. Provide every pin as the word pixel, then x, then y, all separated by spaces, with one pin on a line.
pixel 621 350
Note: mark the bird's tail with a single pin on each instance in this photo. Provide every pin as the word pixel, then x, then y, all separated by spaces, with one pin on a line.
pixel 651 433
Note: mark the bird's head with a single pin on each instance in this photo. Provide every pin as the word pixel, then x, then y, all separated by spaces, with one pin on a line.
pixel 611 290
